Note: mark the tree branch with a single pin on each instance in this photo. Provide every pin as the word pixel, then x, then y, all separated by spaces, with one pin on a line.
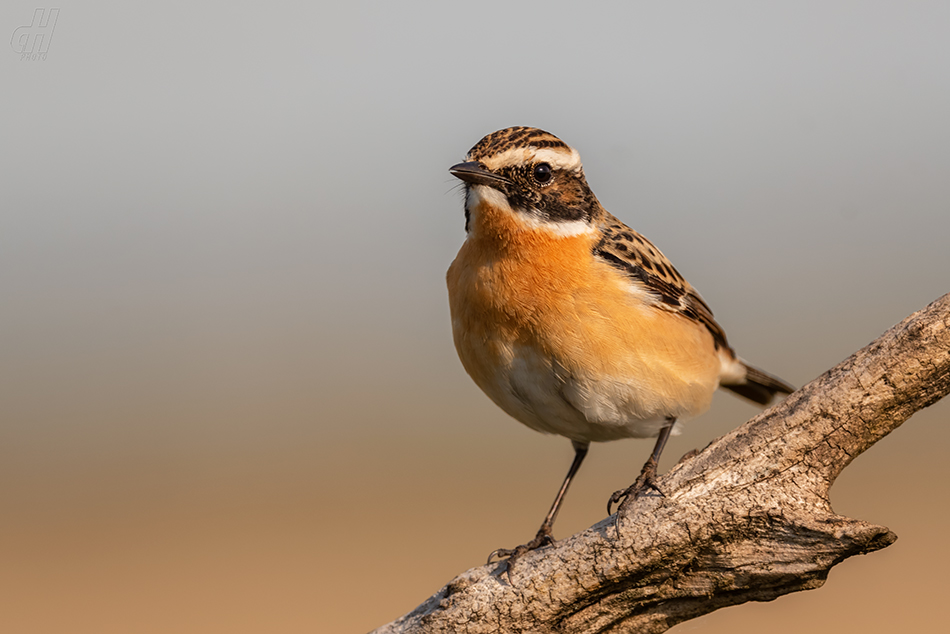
pixel 747 519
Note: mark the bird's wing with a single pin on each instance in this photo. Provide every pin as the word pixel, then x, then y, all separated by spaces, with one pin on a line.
pixel 649 270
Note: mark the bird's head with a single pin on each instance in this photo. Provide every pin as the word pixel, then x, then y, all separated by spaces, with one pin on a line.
pixel 529 176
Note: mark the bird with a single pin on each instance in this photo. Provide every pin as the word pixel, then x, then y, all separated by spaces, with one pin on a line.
pixel 572 322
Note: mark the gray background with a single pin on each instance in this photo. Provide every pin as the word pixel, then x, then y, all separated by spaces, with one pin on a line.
pixel 228 394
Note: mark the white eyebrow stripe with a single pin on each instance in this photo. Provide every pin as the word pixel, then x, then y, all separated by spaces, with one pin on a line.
pixel 559 158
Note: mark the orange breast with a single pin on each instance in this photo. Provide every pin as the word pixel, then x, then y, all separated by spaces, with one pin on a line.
pixel 514 292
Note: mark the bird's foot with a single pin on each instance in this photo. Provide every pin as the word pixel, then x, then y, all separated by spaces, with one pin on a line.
pixel 625 497
pixel 543 538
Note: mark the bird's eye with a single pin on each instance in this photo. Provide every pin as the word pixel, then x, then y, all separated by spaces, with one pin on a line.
pixel 542 173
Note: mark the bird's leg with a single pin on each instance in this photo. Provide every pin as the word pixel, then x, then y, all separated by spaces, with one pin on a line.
pixel 545 536
pixel 647 477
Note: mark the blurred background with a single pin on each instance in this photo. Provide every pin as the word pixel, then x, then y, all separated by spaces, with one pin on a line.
pixel 229 399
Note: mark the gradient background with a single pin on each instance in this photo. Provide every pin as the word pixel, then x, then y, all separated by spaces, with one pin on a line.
pixel 229 399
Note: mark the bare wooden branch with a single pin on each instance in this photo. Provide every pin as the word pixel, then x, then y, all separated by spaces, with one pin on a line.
pixel 747 519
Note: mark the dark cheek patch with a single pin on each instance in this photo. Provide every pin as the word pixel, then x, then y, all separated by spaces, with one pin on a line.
pixel 562 203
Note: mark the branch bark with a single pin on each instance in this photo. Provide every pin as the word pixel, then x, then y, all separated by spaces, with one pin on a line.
pixel 746 519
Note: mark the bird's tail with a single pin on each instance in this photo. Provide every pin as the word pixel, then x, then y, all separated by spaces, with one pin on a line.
pixel 752 383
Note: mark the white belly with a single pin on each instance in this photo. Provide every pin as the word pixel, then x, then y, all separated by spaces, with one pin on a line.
pixel 547 397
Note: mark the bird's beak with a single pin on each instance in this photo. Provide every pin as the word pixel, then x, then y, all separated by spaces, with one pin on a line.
pixel 475 173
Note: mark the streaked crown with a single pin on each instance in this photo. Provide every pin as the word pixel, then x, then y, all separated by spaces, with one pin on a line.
pixel 518 136
pixel 540 176
pixel 518 141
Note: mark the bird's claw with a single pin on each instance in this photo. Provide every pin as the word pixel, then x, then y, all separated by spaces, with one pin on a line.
pixel 510 556
pixel 625 497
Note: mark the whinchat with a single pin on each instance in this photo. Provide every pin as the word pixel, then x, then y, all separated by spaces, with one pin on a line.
pixel 572 322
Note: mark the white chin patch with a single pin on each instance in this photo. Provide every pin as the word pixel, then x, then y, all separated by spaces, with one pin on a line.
pixel 483 195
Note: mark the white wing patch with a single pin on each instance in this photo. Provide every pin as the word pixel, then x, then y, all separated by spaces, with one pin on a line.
pixel 733 370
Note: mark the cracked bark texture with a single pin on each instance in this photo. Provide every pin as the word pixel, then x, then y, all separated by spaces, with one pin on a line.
pixel 746 519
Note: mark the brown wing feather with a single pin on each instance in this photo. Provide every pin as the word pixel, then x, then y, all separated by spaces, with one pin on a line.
pixel 644 264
